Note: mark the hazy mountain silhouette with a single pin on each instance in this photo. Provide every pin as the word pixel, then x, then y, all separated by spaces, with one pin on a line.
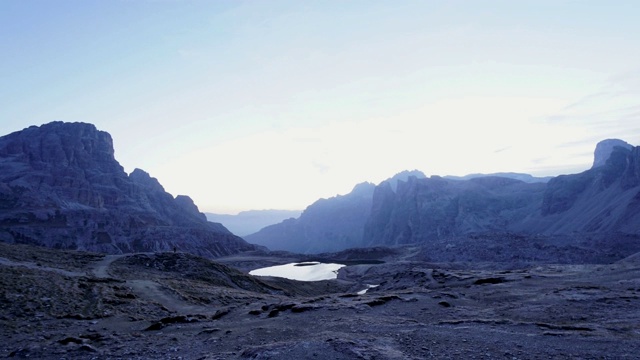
pixel 412 209
pixel 511 175
pixel 327 225
pixel 251 221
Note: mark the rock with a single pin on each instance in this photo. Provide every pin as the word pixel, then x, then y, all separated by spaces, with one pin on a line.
pixel 61 187
pixel 604 149
pixel 69 340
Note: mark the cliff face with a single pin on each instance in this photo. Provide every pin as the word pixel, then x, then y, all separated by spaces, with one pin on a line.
pixel 602 201
pixel 421 210
pixel 61 187
pixel 604 149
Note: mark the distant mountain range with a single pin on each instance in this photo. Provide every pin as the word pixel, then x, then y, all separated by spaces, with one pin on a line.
pixel 249 222
pixel 510 175
pixel 412 209
pixel 61 187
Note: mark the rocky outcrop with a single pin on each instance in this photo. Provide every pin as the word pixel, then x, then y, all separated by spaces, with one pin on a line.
pixel 603 199
pixel 61 187
pixel 602 203
pixel 422 210
pixel 604 149
pixel 327 225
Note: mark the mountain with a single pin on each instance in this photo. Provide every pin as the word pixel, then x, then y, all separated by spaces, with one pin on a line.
pixel 404 176
pixel 327 225
pixel 424 209
pixel 249 222
pixel 603 201
pixel 61 187
pixel 602 204
pixel 511 175
pixel 604 149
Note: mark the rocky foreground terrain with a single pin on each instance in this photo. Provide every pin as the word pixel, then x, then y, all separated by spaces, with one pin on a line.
pixel 58 304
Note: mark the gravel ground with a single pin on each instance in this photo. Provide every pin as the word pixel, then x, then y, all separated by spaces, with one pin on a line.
pixel 68 305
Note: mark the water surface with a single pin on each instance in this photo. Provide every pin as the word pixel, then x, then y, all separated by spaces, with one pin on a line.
pixel 304 271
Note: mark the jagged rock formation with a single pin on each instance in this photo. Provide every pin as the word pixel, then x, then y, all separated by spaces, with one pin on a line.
pixel 327 225
pixel 600 202
pixel 425 209
pixel 61 187
pixel 404 176
pixel 603 199
pixel 604 149
pixel 251 221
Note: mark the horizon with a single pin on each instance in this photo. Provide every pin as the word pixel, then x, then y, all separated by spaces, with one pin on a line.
pixel 273 105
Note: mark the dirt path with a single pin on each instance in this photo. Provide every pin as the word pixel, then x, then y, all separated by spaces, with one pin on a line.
pixel 148 289
pixel 101 268
pixel 152 291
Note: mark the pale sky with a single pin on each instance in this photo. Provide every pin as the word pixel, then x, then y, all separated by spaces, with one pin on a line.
pixel 274 104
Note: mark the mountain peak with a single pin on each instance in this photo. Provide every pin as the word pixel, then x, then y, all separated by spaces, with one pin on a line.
pixel 363 188
pixel 61 144
pixel 62 187
pixel 404 176
pixel 604 149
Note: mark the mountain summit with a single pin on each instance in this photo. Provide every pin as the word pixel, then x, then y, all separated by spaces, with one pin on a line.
pixel 61 187
pixel 604 149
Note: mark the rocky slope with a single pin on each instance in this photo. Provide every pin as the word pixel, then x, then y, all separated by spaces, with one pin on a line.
pixel 604 149
pixel 599 202
pixel 327 225
pixel 61 187
pixel 421 210
pixel 74 305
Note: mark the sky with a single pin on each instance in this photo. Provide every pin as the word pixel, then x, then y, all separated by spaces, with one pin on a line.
pixel 270 104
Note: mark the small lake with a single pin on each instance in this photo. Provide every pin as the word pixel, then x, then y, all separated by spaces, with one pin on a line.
pixel 303 271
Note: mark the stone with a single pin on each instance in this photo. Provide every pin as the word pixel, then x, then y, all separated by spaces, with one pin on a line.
pixel 61 187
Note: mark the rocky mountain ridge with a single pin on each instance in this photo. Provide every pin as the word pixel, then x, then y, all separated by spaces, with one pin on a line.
pixel 61 187
pixel 411 209
pixel 601 200
pixel 326 225
pixel 511 175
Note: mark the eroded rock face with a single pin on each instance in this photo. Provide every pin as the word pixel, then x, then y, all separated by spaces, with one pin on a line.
pixel 602 201
pixel 423 210
pixel 61 187
pixel 604 149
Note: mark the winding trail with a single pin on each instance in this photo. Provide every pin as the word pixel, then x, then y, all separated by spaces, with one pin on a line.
pixel 101 268
pixel 149 290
